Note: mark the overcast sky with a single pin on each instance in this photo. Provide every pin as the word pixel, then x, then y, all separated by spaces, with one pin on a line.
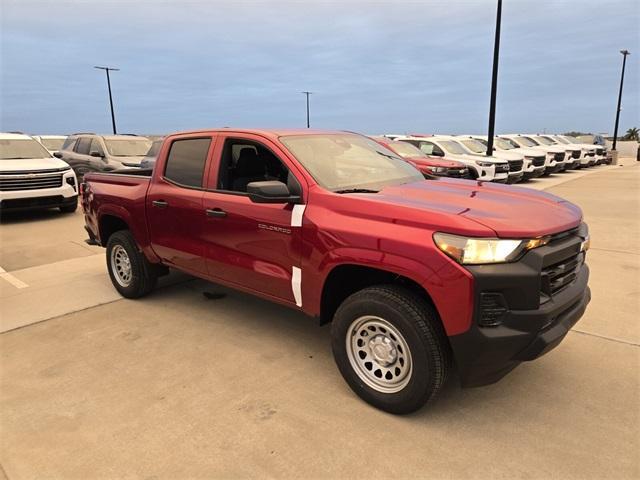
pixel 374 66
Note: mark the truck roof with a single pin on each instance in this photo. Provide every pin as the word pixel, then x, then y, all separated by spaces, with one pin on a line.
pixel 273 133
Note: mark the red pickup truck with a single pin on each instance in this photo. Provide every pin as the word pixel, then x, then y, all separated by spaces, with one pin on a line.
pixel 413 274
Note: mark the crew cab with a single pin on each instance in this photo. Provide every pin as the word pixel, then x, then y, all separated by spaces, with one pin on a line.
pixel 427 164
pixel 31 179
pixel 413 274
pixel 480 167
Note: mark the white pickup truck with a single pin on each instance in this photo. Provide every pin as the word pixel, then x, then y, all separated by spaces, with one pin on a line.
pixel 31 179
pixel 534 160
pixel 556 156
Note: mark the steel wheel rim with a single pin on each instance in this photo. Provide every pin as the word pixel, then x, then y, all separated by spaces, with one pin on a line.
pixel 379 354
pixel 121 265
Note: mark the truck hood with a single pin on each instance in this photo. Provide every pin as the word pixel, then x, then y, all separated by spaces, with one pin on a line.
pixel 504 155
pixel 529 152
pixel 435 162
pixel 511 212
pixel 550 148
pixel 31 164
pixel 467 157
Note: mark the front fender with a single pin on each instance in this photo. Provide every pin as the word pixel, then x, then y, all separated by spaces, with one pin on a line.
pixel 449 286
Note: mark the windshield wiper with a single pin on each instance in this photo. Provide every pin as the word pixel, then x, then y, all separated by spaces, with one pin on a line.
pixel 356 190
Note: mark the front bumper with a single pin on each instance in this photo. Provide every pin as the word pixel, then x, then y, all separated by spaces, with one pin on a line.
pixel 515 177
pixel 532 321
pixel 37 203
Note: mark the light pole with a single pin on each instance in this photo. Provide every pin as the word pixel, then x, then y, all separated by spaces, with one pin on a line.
pixel 615 129
pixel 307 94
pixel 113 117
pixel 494 83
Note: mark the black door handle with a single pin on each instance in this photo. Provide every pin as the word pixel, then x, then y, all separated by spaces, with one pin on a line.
pixel 215 212
pixel 160 203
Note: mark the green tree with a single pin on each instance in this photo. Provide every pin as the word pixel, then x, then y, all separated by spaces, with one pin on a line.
pixel 632 134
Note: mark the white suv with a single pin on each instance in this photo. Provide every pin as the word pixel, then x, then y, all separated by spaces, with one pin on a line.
pixel 515 159
pixel 534 160
pixel 30 178
pixel 480 167
pixel 555 156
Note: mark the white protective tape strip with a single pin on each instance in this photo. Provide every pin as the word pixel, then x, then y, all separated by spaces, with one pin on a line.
pixel 296 285
pixel 296 215
pixel 11 279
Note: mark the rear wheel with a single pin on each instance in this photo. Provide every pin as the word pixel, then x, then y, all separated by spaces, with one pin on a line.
pixel 131 273
pixel 390 347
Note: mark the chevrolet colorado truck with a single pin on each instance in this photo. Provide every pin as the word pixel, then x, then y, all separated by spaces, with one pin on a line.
pixel 413 274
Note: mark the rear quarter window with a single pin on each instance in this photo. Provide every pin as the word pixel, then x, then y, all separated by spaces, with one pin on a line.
pixel 186 161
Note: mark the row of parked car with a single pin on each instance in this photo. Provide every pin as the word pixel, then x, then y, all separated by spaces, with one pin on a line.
pixel 41 171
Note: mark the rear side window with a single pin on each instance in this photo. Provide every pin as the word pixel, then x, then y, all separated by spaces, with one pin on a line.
pixel 82 147
pixel 186 160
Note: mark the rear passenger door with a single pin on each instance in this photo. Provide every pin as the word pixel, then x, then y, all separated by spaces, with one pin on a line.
pixel 175 212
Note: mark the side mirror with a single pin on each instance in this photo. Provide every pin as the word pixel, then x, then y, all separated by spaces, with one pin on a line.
pixel 96 154
pixel 271 191
pixel 57 154
pixel 437 153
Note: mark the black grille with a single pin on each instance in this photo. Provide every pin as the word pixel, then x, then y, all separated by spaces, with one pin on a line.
pixel 559 157
pixel 515 165
pixel 600 151
pixel 458 172
pixel 536 161
pixel 558 276
pixel 502 167
pixel 33 181
pixel 591 154
pixel 575 153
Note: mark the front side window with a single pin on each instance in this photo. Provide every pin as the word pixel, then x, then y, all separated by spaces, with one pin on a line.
pixel 22 149
pixel 128 147
pixel 96 147
pixel 83 146
pixel 347 161
pixel 186 161
pixel 69 143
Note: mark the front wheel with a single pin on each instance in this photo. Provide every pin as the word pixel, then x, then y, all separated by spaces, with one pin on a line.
pixel 390 347
pixel 131 273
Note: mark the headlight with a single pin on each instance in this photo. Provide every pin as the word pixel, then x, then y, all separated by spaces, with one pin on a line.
pixel 474 251
pixel 484 164
pixel 437 169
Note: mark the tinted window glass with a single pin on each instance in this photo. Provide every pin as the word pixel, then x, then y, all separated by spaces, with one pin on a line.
pixel 82 147
pixel 69 143
pixel 96 147
pixel 186 160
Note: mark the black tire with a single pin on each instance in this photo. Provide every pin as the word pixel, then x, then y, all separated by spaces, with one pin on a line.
pixel 143 275
pixel 417 321
pixel 69 208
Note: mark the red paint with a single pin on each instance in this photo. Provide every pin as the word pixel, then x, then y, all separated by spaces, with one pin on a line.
pixel 391 230
pixel 423 162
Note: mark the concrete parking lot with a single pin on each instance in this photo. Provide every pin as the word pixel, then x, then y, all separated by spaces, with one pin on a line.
pixel 180 386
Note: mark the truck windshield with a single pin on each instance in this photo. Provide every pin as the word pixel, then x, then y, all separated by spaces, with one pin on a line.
pixel 53 143
pixel 128 147
pixel 452 147
pixel 405 149
pixel 563 140
pixel 22 149
pixel 545 140
pixel 503 144
pixel 474 145
pixel 346 161
pixel 526 141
